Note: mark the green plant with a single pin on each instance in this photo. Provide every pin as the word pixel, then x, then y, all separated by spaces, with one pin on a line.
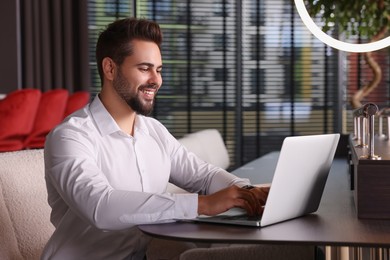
pixel 367 19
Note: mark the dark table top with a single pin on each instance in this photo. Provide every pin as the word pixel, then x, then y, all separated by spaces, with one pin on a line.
pixel 335 222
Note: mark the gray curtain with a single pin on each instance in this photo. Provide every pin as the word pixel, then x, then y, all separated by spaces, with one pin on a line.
pixel 54 43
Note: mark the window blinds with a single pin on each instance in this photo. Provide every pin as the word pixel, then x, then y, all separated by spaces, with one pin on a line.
pixel 248 68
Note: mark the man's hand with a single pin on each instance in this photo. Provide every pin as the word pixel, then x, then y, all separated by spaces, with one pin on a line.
pixel 252 200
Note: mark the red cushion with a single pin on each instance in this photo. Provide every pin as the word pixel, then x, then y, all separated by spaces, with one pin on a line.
pixel 17 114
pixel 11 144
pixel 50 113
pixel 76 101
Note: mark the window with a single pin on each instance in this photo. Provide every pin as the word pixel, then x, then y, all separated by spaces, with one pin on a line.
pixel 101 13
pixel 116 7
pixel 248 68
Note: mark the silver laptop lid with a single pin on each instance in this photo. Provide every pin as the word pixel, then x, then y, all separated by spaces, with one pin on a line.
pixel 298 183
pixel 300 177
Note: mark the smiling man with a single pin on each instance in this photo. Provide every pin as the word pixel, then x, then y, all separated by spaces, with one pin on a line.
pixel 107 166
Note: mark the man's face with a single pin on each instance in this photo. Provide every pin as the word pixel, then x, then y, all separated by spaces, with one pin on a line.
pixel 139 77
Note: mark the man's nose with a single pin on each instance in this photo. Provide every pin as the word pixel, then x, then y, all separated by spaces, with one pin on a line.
pixel 155 79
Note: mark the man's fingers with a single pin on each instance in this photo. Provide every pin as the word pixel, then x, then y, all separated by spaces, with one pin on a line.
pixel 244 204
pixel 253 201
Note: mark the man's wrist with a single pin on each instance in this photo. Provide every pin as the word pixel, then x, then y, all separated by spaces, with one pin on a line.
pixel 200 205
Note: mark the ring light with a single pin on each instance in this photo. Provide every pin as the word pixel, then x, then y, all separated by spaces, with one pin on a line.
pixel 340 45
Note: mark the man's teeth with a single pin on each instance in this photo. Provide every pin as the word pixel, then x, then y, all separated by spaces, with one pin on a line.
pixel 148 92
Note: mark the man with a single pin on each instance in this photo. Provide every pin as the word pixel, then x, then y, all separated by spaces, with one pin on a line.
pixel 107 166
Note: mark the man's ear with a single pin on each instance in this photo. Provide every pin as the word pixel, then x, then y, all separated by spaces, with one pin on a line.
pixel 109 67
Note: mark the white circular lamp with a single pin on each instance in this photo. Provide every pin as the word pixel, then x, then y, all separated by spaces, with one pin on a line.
pixel 337 44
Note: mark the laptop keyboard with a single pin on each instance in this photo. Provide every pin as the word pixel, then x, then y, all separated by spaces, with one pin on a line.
pixel 243 217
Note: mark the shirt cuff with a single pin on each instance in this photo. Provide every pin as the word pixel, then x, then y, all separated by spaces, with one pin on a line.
pixel 186 206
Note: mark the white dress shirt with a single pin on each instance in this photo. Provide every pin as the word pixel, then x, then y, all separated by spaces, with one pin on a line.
pixel 102 182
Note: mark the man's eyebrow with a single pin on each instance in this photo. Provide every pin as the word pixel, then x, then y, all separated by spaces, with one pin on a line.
pixel 151 65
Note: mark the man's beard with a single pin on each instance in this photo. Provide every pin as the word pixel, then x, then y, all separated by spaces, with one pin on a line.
pixel 131 96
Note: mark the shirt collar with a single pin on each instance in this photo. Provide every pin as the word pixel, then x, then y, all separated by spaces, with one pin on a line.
pixel 102 119
pixel 106 123
pixel 140 125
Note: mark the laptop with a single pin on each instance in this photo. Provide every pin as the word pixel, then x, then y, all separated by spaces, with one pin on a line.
pixel 298 183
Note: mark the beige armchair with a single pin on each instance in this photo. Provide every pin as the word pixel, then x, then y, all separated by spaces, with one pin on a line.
pixel 208 145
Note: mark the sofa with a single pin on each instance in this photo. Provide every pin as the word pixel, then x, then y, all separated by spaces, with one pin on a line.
pixel 24 212
pixel 28 115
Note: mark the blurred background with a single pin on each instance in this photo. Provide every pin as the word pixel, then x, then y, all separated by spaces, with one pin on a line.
pixel 248 68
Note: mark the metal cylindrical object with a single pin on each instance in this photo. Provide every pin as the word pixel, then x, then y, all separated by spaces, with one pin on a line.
pixel 366 116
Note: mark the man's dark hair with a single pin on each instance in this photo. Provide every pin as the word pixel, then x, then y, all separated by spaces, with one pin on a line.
pixel 115 41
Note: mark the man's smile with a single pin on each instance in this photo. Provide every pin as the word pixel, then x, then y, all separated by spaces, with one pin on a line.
pixel 148 92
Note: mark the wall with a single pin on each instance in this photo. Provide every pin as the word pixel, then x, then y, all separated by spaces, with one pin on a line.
pixel 9 46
